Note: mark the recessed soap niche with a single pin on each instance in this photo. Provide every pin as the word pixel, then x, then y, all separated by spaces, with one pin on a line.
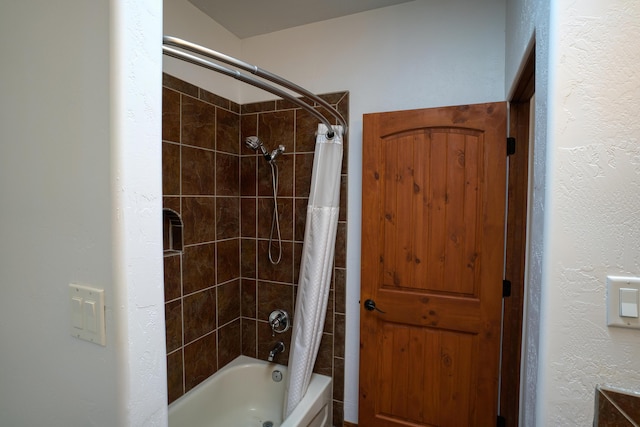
pixel 172 232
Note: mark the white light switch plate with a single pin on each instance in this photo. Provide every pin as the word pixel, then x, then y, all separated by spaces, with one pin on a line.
pixel 614 307
pixel 87 314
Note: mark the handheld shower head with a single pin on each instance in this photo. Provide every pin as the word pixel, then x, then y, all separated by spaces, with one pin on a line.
pixel 275 153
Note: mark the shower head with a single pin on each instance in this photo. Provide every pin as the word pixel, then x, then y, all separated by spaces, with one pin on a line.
pixel 255 143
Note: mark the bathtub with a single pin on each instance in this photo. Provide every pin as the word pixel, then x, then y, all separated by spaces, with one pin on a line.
pixel 244 394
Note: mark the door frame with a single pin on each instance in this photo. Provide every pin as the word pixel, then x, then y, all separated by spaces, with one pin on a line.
pixel 516 242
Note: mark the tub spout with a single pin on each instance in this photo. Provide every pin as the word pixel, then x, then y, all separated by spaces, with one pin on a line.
pixel 278 348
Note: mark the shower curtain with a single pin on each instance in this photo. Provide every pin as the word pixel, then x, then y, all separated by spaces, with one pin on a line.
pixel 316 264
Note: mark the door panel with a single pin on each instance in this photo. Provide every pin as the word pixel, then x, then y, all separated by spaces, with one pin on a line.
pixel 432 245
pixel 433 186
pixel 416 359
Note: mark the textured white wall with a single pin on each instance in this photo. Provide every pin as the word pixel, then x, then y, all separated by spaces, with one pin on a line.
pixel 593 180
pixel 80 203
pixel 412 55
pixel 183 20
pixel 523 17
pixel 136 190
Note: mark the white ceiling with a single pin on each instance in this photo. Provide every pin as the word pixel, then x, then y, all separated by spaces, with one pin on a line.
pixel 247 18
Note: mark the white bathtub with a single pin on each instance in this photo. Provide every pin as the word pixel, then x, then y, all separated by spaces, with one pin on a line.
pixel 243 394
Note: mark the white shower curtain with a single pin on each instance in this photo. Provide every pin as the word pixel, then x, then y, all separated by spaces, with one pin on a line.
pixel 316 264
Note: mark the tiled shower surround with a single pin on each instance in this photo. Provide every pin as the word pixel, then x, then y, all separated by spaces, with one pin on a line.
pixel 220 289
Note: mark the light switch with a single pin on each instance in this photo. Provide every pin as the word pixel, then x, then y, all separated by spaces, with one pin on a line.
pixel 628 302
pixel 622 301
pixel 90 316
pixel 87 314
pixel 76 313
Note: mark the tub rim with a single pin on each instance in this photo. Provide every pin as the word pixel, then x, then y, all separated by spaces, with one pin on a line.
pixel 319 383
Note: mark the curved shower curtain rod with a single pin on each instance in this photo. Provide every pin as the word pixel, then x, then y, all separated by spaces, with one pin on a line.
pixel 170 43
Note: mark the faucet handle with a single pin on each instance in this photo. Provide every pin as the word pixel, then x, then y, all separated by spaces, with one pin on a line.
pixel 279 321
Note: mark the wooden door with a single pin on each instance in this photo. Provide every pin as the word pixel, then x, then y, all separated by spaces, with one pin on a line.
pixel 432 262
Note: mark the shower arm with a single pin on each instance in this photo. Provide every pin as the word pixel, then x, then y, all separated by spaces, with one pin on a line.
pixel 168 50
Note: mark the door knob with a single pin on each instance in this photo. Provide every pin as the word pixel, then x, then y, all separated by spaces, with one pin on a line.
pixel 370 305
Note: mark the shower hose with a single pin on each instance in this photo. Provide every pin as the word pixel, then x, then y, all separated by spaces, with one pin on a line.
pixel 275 221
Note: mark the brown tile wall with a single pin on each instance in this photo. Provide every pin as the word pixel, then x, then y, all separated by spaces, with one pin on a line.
pixel 266 287
pixel 201 182
pixel 616 408
pixel 220 290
